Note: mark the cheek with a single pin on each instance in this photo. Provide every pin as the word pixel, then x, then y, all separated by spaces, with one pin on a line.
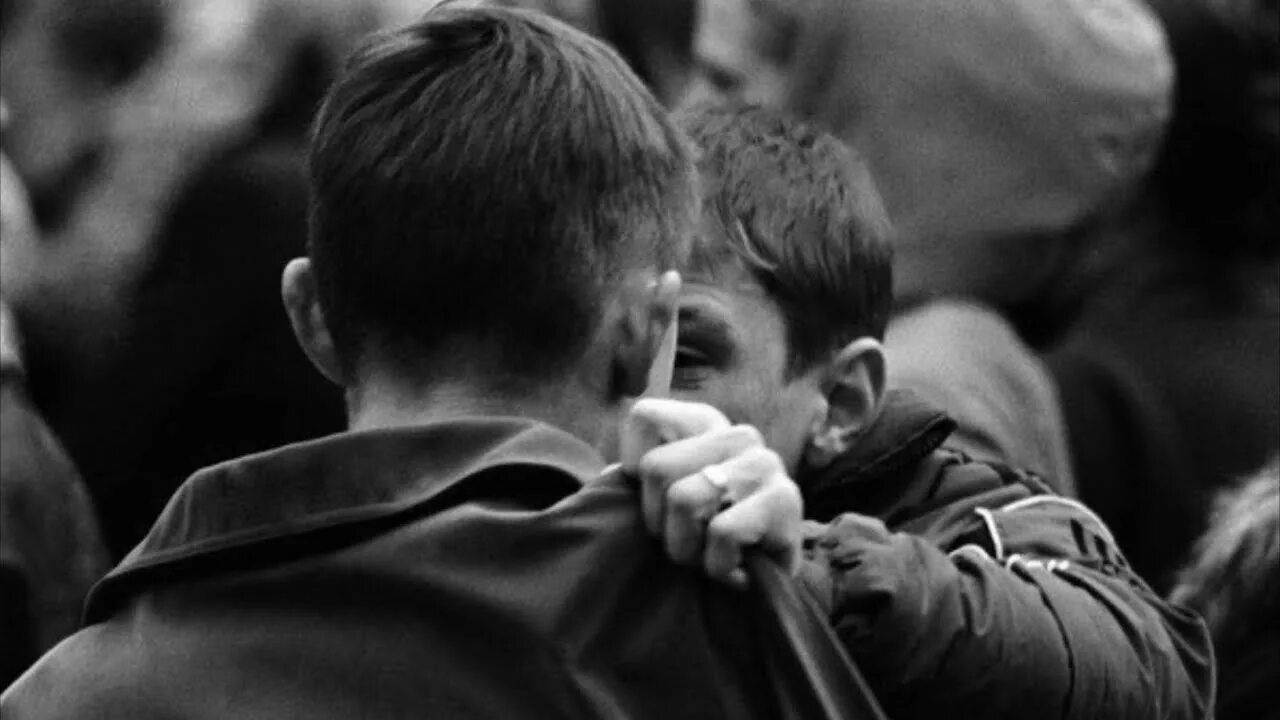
pixel 793 417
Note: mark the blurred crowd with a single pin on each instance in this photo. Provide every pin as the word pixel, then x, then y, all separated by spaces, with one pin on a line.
pixel 1087 269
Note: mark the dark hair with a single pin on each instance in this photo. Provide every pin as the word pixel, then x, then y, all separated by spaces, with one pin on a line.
pixel 1219 169
pixel 485 174
pixel 799 208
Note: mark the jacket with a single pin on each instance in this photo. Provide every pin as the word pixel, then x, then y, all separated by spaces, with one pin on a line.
pixel 967 589
pixel 452 570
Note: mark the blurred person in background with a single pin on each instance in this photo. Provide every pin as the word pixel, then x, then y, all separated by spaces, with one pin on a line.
pixel 1167 372
pixel 1233 580
pixel 151 308
pixel 994 129
pixel 51 550
pixel 62 65
pixel 655 37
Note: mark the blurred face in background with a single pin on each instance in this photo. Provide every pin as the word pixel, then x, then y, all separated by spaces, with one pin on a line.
pixel 741 52
pixel 62 63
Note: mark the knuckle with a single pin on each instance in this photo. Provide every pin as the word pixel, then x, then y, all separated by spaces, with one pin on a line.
pixel 651 467
pixel 722 528
pixel 764 460
pixel 788 493
pixel 683 498
pixel 746 435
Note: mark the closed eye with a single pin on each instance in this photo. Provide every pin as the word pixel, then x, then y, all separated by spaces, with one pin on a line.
pixel 688 358
pixel 692 369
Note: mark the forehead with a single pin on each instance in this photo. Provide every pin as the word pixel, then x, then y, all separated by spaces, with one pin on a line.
pixel 725 304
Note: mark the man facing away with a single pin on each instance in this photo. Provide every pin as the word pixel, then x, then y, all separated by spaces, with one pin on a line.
pixel 494 197
pixel 962 589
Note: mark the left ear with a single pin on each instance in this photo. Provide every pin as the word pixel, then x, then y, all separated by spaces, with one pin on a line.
pixel 857 385
pixel 302 304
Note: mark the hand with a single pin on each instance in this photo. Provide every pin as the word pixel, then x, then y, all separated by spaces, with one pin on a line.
pixel 708 489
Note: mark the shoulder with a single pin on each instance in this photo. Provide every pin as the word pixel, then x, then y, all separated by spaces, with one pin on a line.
pixel 72 681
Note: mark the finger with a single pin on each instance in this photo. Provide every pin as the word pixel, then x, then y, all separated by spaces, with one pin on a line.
pixel 691 502
pixel 770 518
pixel 666 298
pixel 659 468
pixel 694 499
pixel 656 421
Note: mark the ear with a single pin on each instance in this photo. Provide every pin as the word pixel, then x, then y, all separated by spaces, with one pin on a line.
pixel 302 303
pixel 857 385
pixel 644 355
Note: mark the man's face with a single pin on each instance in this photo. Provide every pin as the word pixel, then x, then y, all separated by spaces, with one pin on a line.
pixel 733 354
pixel 731 61
pixel 60 71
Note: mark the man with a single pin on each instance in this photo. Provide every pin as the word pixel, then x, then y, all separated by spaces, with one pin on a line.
pixel 494 195
pixel 964 589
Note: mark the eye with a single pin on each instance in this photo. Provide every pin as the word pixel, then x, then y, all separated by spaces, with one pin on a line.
pixel 689 357
pixel 692 368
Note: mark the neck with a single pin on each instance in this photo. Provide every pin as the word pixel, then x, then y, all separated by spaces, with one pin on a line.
pixel 383 402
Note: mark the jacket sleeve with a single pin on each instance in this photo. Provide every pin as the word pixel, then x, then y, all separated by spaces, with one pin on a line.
pixel 1026 610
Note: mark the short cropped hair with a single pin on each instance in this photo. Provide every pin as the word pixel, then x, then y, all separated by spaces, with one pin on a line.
pixel 799 209
pixel 485 174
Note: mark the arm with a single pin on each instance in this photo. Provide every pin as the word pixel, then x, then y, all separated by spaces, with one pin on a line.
pixel 1025 610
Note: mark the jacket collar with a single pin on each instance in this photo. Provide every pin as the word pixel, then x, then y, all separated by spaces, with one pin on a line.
pixel 906 431
pixel 344 480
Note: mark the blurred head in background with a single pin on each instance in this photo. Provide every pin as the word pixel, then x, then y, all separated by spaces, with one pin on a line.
pixel 62 63
pixel 1218 174
pixel 991 127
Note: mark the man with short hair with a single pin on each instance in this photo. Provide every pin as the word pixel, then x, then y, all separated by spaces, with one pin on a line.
pixel 494 197
pixel 963 589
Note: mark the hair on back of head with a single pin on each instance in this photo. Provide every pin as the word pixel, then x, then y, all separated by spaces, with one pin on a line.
pixel 799 209
pixel 485 174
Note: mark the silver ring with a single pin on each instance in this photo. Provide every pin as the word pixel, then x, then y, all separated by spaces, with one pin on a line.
pixel 715 475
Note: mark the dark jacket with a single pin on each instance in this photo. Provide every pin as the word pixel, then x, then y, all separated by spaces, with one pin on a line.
pixel 451 570
pixel 966 589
